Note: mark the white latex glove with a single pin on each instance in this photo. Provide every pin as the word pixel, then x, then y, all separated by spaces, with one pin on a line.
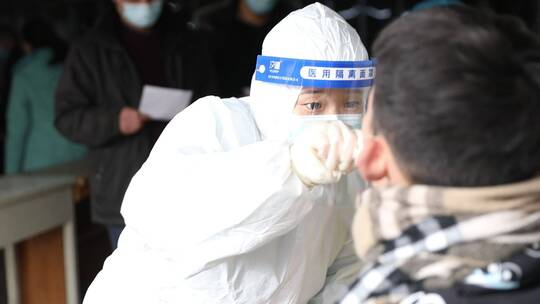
pixel 325 151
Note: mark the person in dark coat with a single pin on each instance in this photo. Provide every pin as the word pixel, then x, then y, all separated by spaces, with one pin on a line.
pixel 140 42
pixel 237 29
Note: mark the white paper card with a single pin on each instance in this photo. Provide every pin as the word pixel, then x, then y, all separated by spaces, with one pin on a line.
pixel 161 103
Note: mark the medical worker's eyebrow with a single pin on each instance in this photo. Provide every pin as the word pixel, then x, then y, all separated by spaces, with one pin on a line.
pixel 314 91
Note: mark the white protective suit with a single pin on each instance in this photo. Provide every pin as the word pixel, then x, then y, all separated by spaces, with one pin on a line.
pixel 216 214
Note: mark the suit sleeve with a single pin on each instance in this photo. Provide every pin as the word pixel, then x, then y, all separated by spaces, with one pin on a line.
pixel 219 203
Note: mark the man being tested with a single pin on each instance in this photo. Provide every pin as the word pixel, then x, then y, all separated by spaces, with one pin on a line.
pixel 243 200
pixel 453 129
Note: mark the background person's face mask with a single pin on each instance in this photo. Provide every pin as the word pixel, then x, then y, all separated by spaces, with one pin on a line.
pixel 142 15
pixel 261 7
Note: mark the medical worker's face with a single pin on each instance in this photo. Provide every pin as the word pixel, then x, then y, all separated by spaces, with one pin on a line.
pixel 314 101
pixel 367 121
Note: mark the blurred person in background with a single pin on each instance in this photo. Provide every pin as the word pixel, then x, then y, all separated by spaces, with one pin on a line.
pixel 135 43
pixel 237 29
pixel 9 52
pixel 32 140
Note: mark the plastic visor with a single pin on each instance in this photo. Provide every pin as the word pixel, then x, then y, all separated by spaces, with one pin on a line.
pixel 327 90
pixel 325 87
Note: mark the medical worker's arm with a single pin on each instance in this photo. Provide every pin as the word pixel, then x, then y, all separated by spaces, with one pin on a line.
pixel 197 195
pixel 78 115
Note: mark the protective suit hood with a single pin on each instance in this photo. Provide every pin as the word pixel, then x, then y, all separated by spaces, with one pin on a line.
pixel 314 33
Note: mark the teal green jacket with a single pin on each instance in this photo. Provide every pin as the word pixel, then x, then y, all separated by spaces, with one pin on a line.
pixel 32 140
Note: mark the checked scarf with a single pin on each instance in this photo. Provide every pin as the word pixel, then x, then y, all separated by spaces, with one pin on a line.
pixel 422 237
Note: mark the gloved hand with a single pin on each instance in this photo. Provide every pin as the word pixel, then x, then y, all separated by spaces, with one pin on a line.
pixel 324 151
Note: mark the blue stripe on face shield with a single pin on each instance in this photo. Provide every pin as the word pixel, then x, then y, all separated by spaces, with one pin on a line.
pixel 315 73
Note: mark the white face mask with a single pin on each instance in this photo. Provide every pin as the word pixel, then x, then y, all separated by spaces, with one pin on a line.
pixel 261 6
pixel 299 122
pixel 142 15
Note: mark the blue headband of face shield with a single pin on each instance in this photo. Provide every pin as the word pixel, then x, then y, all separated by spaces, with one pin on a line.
pixel 315 73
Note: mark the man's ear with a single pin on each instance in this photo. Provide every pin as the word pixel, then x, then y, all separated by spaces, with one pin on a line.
pixel 372 162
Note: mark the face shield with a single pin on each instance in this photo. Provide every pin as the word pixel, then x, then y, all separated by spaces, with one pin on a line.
pixel 338 68
pixel 325 90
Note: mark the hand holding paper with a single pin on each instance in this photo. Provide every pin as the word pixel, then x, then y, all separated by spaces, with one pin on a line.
pixel 161 103
pixel 130 121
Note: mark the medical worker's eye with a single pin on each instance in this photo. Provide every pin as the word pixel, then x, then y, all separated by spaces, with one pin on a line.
pixel 313 106
pixel 352 105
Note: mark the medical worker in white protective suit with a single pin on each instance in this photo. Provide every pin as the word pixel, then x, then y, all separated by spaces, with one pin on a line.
pixel 250 200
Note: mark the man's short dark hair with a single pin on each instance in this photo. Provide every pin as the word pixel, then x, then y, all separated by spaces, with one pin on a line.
pixel 457 97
